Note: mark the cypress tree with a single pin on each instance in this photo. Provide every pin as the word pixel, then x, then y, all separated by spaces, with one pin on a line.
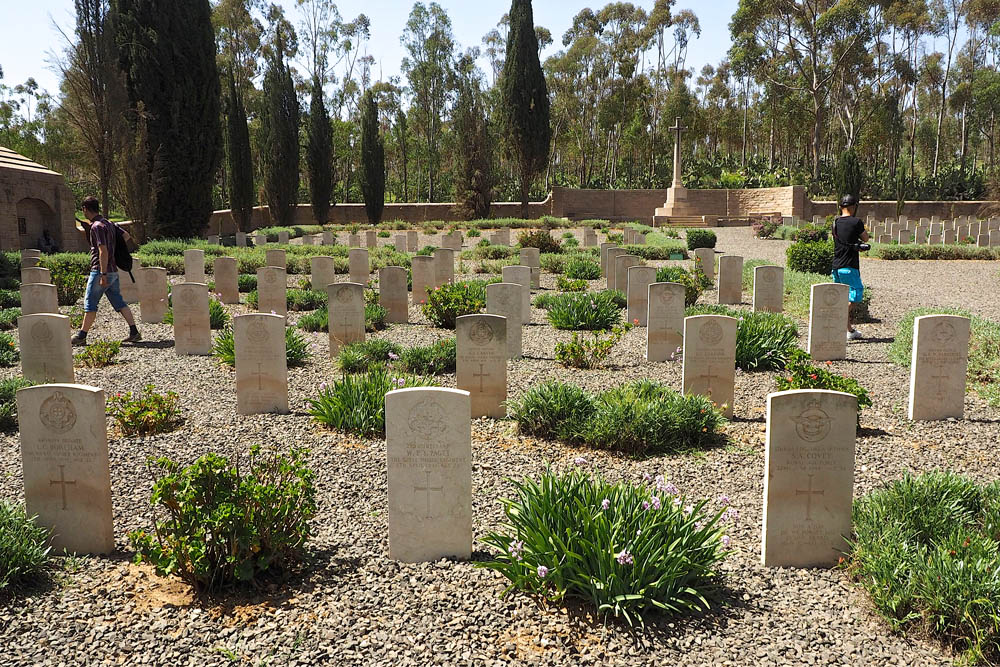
pixel 318 154
pixel 239 160
pixel 848 174
pixel 372 160
pixel 167 52
pixel 474 179
pixel 279 122
pixel 524 100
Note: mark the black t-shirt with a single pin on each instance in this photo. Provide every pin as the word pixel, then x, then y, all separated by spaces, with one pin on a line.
pixel 847 233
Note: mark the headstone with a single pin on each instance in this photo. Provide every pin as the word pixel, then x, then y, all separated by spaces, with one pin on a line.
pixel 306 240
pixel 241 239
pixel 130 288
pixel 639 238
pixel 949 237
pixel 272 290
pixel 520 275
pixel 604 258
pixel 730 280
pixel 622 264
pixel 934 239
pixel 455 240
pixel 329 238
pixel 503 236
pixel 259 239
pixel 709 366
pixel 31 259
pixel 411 241
pixel 283 238
pixel 428 442
pixel 983 241
pixel 392 294
pixel 64 458
pixel 321 272
pixel 213 239
pixel 45 349
pixel 939 362
pixel 637 298
pixel 346 319
pixel 768 289
pixel 481 367
pixel 828 304
pixel 358 266
pixel 227 282
pixel 665 321
pixel 354 240
pixel 153 294
pixel 905 236
pixel 371 238
pixel 192 333
pixel 707 257
pixel 995 239
pixel 808 477
pixel 612 268
pixel 589 237
pixel 194 265
pixel 530 257
pixel 39 298
pixel 400 241
pixel 504 299
pixel 261 364
pixel 423 268
pixel 276 257
pixel 444 266
pixel 36 274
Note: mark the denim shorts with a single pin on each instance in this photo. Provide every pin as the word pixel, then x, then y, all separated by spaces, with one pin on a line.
pixel 851 278
pixel 95 291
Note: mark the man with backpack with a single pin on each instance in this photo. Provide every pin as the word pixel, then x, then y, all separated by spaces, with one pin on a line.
pixel 849 238
pixel 103 236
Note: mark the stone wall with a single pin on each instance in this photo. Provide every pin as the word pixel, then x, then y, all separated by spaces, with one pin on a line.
pixel 42 198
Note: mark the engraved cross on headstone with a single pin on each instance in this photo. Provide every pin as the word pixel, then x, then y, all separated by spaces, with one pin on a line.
pixel 62 482
pixel 427 488
pixel 259 375
pixel 481 375
pixel 707 376
pixel 344 328
pixel 677 129
pixel 940 378
pixel 809 493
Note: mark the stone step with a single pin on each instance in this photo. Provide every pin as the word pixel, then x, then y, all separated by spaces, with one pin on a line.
pixel 683 220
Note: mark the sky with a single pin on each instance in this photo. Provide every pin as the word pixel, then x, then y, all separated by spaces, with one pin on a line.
pixel 31 37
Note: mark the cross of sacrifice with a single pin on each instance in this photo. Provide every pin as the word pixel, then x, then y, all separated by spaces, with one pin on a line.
pixel 62 482
pixel 677 129
pixel 809 493
pixel 427 488
pixel 481 375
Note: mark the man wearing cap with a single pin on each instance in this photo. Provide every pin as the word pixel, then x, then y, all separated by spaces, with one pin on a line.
pixel 848 236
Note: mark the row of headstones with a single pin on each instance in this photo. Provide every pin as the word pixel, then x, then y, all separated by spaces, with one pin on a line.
pixel 931 231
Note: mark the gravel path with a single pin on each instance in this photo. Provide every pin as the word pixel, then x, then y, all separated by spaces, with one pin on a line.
pixel 355 606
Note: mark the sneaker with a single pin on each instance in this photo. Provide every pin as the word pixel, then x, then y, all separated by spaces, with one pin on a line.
pixel 133 338
pixel 77 339
pixel 854 335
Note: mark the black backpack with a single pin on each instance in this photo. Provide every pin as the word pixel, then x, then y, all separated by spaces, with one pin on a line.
pixel 123 256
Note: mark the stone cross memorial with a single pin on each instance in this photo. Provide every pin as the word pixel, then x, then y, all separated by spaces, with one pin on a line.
pixel 709 366
pixel 357 265
pixel 226 274
pixel 346 319
pixel 639 280
pixel 938 366
pixel 531 257
pixel 520 275
pixel 39 298
pixel 45 349
pixel 730 280
pixel 321 272
pixel 768 289
pixel 392 294
pixel 428 442
pixel 665 321
pixel 272 290
pixel 808 477
pixel 423 268
pixel 481 362
pixel 261 366
pixel 152 294
pixel 504 299
pixel 192 333
pixel 64 458
pixel 828 303
pixel 194 265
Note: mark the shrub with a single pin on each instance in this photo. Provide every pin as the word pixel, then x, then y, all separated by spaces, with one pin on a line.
pixel 356 403
pixel 8 402
pixel 427 250
pixel 811 257
pixel 383 234
pixel 800 374
pixel 318 320
pixel 8 350
pixel 588 312
pixel 925 549
pixel 246 282
pixel 811 234
pixel 659 251
pixel 582 268
pixel 217 315
pixel 10 298
pixel 99 354
pixel 493 252
pixel 70 286
pixel 676 274
pixel 638 418
pixel 700 238
pixel 24 548
pixel 540 239
pixel 435 359
pixel 367 355
pixel 764 341
pixel 8 318
pixel 564 285
pixel 145 413
pixel 552 263
pixel 375 313
pixel 589 353
pixel 305 299
pixel 228 524
pixel 626 549
pixel 765 229
pixel 914 251
pixel 448 302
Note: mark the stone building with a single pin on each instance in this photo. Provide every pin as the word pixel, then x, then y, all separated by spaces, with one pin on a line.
pixel 36 207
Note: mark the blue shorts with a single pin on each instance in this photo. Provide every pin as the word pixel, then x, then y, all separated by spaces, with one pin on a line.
pixel 851 278
pixel 95 291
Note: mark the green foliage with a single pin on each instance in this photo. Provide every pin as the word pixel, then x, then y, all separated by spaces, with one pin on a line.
pixel 239 159
pixel 584 311
pixel 8 318
pixel 145 413
pixel 372 159
pixel 302 299
pixel 318 320
pixel 926 550
pixel 492 251
pixel 8 350
pixel 628 550
pixel 24 549
pixel 279 131
pixel 296 348
pixel 217 315
pixel 448 302
pixel 564 285
pixel 375 313
pixel 700 238
pixel 692 281
pixel 367 355
pixel 800 374
pixel 99 354
pixel 10 298
pixel 583 353
pixel 552 263
pixel 848 176
pixel 923 251
pixel 582 268
pixel 69 272
pixel 356 403
pixel 765 229
pixel 229 523
pixel 435 359
pixel 811 233
pixel 8 402
pixel 638 418
pixel 474 154
pixel 541 239
pixel 319 156
pixel 811 257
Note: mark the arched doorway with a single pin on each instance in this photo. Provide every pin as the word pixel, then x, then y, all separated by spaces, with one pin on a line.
pixel 38 225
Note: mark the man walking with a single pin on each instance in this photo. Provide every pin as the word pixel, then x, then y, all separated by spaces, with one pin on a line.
pixel 101 235
pixel 848 235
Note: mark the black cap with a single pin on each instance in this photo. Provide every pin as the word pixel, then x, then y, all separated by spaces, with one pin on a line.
pixel 848 201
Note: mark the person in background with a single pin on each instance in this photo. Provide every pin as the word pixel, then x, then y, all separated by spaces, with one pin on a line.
pixel 101 236
pixel 848 236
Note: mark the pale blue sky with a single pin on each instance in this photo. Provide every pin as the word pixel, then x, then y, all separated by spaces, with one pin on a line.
pixel 30 37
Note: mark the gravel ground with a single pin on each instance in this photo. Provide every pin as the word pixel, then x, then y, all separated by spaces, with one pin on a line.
pixel 355 606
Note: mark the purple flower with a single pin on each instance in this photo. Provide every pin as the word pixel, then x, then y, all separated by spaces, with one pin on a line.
pixel 723 500
pixel 273 313
pixel 542 571
pixel 624 558
pixel 725 541
pixel 516 548
pixel 645 505
pixel 400 381
pixel 678 350
pixel 688 509
pixel 322 386
pixel 605 504
pixel 656 502
pixel 393 356
pixel 698 525
pixel 580 461
pixel 677 502
pixel 646 477
pixel 730 515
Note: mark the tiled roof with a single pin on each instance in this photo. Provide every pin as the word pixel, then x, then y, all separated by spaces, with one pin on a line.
pixel 11 160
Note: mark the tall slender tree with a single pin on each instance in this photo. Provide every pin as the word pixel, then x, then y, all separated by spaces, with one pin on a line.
pixel 167 51
pixel 238 157
pixel 473 158
pixel 524 100
pixel 372 160
pixel 280 131
pixel 319 158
